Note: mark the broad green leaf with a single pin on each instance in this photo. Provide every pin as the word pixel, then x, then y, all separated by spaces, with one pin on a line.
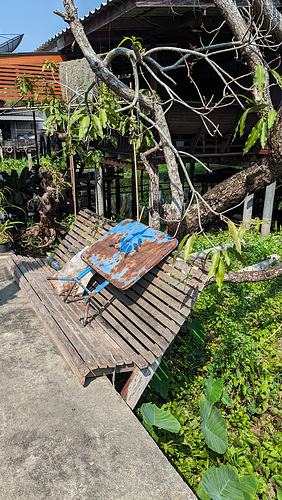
pixel 249 486
pixel 84 126
pixel 160 418
pixel 201 494
pixel 253 136
pixel 161 378
pixel 247 98
pixel 271 117
pixel 138 143
pixel 189 247
pixel 213 427
pixel 279 494
pixel 260 77
pixel 220 274
pixel 214 389
pixel 226 399
pixel 263 135
pixel 238 255
pixel 222 483
pixel 278 77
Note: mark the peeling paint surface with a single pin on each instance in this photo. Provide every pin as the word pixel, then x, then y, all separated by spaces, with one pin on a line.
pixel 127 252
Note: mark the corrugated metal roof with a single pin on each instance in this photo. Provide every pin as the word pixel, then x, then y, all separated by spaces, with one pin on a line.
pixel 13 118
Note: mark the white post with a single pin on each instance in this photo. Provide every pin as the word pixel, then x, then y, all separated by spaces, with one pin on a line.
pixel 99 191
pixel 29 159
pixel 248 210
pixel 268 208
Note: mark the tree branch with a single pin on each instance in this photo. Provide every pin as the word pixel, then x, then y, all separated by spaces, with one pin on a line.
pixel 251 276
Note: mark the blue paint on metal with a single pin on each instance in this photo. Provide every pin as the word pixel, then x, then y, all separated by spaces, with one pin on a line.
pixel 127 252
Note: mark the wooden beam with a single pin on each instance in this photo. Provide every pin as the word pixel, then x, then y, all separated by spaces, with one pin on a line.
pixel 137 383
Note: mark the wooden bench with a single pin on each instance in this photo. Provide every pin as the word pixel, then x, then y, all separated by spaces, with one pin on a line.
pixel 129 330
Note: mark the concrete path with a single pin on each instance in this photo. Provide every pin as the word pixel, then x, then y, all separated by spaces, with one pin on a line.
pixel 60 440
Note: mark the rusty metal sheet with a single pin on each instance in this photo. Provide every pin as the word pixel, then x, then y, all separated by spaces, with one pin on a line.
pixel 127 252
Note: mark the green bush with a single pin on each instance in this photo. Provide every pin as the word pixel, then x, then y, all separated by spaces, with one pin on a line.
pixel 235 335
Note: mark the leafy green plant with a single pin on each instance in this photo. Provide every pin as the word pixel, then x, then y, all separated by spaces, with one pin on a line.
pixel 234 336
pixel 19 186
pixel 220 260
pixel 154 416
pixel 6 228
pixel 267 121
pixel 223 483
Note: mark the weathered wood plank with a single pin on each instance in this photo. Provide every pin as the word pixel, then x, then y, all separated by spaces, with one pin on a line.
pixel 132 324
pixel 70 355
pixel 60 315
pixel 105 353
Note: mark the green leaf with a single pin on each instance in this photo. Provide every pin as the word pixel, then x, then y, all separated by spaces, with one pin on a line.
pixel 98 126
pixel 76 116
pixel 249 486
pixel 277 76
pixel 160 380
pixel 201 493
pixel 214 389
pixel 271 117
pixel 103 117
pixel 253 136
pixel 160 418
pixel 220 274
pixel 179 248
pixel 238 255
pixel 226 257
pixel 247 98
pixel 263 135
pixel 235 235
pixel 189 247
pixel 84 126
pixel 279 494
pixel 226 399
pixel 222 483
pixel 215 261
pixel 260 77
pixel 242 122
pixel 213 427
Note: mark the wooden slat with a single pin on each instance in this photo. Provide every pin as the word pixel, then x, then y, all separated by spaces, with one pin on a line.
pixel 100 349
pixel 70 329
pixel 152 327
pixel 99 335
pixel 134 325
pixel 71 356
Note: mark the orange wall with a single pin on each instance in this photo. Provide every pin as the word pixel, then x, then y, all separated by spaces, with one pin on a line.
pixel 12 66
